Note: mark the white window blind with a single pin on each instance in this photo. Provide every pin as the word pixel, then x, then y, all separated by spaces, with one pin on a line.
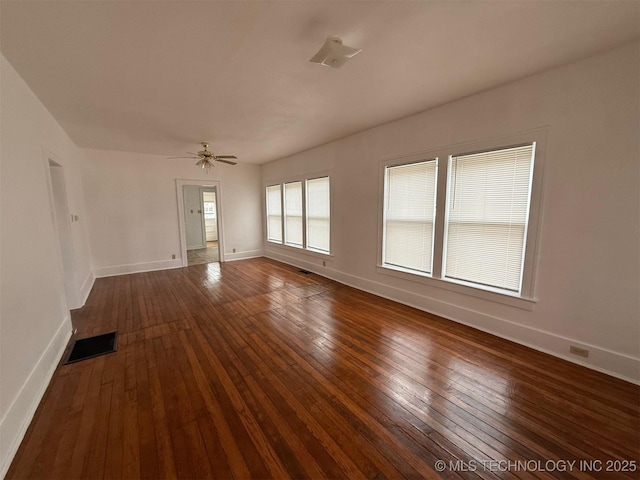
pixel 410 199
pixel 487 214
pixel 274 214
pixel 293 214
pixel 318 217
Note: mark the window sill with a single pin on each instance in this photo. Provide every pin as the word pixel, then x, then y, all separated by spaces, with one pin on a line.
pixel 291 249
pixel 497 297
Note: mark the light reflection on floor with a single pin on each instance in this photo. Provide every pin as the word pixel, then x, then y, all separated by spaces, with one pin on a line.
pixel 203 255
pixel 213 272
pixel 427 392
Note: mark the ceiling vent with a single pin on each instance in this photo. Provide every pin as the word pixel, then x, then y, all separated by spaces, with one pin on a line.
pixel 334 54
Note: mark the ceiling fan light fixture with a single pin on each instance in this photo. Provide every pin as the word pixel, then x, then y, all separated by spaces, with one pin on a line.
pixel 206 158
pixel 334 54
pixel 205 164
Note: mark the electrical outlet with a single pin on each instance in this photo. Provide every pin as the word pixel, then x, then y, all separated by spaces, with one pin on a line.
pixel 324 263
pixel 173 257
pixel 579 351
pixel 234 250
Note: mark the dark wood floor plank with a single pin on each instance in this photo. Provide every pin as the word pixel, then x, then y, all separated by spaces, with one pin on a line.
pixel 257 366
pixel 252 369
pixel 329 398
pixel 557 420
pixel 216 403
pixel 407 376
pixel 115 448
pixel 272 462
pixel 45 422
pixel 292 399
pixel 413 416
pixel 166 462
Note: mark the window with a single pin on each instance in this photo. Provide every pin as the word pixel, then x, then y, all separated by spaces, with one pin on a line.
pixel 274 214
pixel 410 200
pixel 487 214
pixel 318 224
pixel 209 210
pixel 466 222
pixel 293 214
pixel 301 210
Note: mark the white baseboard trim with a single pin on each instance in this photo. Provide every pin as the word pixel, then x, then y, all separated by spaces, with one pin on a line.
pixel 600 359
pixel 230 257
pixel 15 422
pixel 86 287
pixel 115 270
pixel 102 272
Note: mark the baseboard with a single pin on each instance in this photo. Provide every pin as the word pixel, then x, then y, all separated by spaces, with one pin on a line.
pixel 14 424
pixel 230 257
pixel 136 268
pixel 86 287
pixel 600 359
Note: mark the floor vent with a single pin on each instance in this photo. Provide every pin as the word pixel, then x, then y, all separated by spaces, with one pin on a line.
pixel 91 347
pixel 306 272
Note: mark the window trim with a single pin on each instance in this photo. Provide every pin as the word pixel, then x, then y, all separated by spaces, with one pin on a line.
pixel 447 213
pixel 526 298
pixel 304 248
pixel 303 212
pixel 266 214
pixel 384 218
pixel 306 218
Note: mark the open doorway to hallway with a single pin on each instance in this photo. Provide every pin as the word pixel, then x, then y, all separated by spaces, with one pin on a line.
pixel 201 224
pixel 61 220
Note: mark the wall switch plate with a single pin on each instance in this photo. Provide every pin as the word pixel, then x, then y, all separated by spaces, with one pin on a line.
pixel 582 352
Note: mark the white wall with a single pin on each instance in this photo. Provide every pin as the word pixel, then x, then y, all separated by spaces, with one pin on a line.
pixel 34 318
pixel 133 211
pixel 587 284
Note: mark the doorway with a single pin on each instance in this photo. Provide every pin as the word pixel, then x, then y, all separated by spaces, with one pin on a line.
pixel 62 224
pixel 201 224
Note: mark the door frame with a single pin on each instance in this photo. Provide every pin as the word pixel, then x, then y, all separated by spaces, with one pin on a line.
pixel 181 218
pixel 66 269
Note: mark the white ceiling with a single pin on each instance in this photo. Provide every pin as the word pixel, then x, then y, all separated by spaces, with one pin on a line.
pixel 160 76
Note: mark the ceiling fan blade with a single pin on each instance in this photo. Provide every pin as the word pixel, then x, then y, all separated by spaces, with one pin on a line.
pixel 226 156
pixel 226 161
pixel 181 157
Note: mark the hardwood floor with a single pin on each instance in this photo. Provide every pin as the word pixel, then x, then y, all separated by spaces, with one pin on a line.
pixel 251 369
pixel 204 255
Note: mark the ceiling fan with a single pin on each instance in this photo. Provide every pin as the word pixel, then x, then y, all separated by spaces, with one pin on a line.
pixel 206 157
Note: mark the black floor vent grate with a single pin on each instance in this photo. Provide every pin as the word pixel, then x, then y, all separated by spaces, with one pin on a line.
pixel 91 347
pixel 306 272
